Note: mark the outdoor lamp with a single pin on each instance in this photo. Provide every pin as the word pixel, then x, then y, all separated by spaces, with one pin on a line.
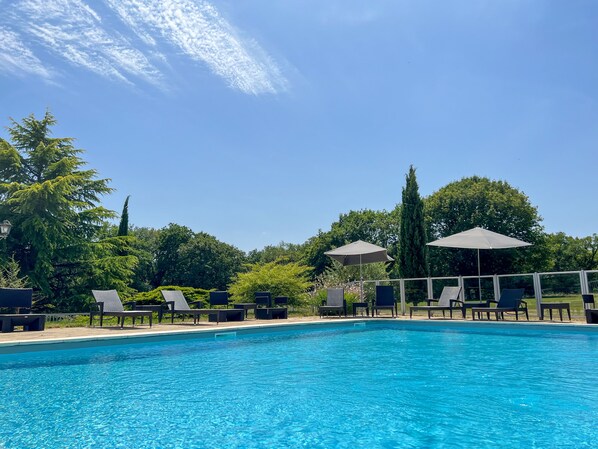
pixel 5 227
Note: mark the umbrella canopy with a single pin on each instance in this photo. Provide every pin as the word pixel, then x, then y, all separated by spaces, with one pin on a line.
pixel 358 253
pixel 479 238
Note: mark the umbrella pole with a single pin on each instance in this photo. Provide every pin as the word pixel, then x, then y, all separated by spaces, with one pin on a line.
pixel 479 276
pixel 361 279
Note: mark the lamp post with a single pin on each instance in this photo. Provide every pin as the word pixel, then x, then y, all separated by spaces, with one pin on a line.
pixel 5 228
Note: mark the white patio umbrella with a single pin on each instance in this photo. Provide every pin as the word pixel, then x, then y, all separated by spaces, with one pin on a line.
pixel 479 238
pixel 359 253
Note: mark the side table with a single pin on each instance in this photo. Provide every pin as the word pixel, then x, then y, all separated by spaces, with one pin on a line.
pixel 550 306
pixel 363 305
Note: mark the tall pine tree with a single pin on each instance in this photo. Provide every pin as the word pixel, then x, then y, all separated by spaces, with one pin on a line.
pixel 413 261
pixel 123 227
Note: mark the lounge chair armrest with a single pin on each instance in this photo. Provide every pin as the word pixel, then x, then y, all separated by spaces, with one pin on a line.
pixel 457 303
pixel 131 304
pixel 199 304
pixel 168 305
pixel 96 307
pixel 523 302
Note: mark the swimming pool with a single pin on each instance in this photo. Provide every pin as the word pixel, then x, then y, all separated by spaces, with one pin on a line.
pixel 378 384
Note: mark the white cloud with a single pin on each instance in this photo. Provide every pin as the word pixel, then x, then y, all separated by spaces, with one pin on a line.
pixel 202 34
pixel 87 38
pixel 17 59
pixel 74 31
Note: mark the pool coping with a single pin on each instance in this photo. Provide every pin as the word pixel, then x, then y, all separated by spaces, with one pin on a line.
pixel 25 345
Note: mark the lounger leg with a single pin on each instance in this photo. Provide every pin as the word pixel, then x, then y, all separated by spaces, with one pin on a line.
pixel 568 313
pixel 101 319
pixel 550 311
pixel 151 317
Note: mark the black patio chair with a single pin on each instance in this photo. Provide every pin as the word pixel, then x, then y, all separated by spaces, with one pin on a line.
pixel 385 299
pixel 335 302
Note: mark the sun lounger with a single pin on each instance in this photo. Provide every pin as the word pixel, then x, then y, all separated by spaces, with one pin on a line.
pixel 510 301
pixel 449 300
pixel 108 303
pixel 178 305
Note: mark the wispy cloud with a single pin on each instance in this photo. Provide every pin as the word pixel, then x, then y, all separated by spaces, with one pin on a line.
pixel 16 59
pixel 85 37
pixel 73 30
pixel 197 29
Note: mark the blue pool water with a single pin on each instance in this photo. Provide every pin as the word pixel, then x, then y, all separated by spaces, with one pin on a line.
pixel 378 386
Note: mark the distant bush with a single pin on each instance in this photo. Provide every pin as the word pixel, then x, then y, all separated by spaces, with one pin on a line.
pixel 280 279
pixel 155 297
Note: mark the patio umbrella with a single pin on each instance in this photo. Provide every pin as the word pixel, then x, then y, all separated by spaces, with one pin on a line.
pixel 479 238
pixel 359 253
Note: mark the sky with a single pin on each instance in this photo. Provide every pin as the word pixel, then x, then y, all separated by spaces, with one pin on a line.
pixel 261 121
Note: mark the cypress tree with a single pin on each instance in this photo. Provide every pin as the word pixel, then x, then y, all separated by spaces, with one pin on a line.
pixel 413 251
pixel 123 227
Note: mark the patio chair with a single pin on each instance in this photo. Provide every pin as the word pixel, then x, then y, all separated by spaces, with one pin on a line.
pixel 510 301
pixel 335 302
pixel 385 299
pixel 19 300
pixel 219 298
pixel 588 301
pixel 108 303
pixel 263 299
pixel 449 300
pixel 589 307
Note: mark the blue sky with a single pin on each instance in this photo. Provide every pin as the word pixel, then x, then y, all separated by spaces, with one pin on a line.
pixel 262 121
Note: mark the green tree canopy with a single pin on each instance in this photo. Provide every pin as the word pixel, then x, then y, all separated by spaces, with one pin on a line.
pixel 53 204
pixel 377 227
pixel 280 279
pixel 493 205
pixel 413 261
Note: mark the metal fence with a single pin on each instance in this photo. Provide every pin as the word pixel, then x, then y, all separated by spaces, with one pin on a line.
pixel 538 286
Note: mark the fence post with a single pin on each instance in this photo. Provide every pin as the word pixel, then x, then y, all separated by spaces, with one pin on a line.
pixel 583 280
pixel 538 294
pixel 430 288
pixel 402 287
pixel 460 284
pixel 496 285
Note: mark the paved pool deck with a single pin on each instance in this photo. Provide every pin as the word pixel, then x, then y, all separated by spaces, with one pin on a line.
pixel 83 332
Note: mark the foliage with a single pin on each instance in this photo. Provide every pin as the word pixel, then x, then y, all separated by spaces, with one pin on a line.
pixel 53 204
pixel 144 247
pixel 170 239
pixel 280 279
pixel 572 253
pixel 155 297
pixel 123 227
pixel 10 275
pixel 493 205
pixel 282 251
pixel 413 261
pixel 377 227
pixel 337 275
pixel 206 262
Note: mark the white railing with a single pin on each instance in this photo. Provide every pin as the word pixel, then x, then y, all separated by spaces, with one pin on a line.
pixel 583 287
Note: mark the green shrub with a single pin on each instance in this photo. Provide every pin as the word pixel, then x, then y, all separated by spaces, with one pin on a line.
pixel 155 297
pixel 280 279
